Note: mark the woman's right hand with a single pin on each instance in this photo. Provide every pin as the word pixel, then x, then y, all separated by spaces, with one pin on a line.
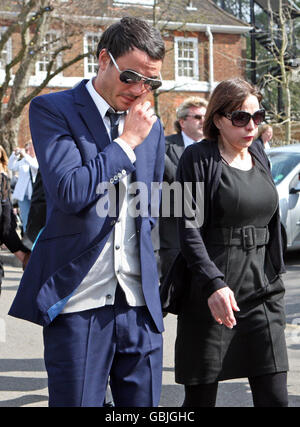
pixel 222 303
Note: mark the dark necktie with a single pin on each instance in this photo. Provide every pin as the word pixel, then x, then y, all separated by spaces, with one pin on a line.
pixel 114 123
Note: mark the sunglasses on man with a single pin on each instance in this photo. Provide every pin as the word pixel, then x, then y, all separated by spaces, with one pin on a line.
pixel 196 116
pixel 131 77
pixel 242 118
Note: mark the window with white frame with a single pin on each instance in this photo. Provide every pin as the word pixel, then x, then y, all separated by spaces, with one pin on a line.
pixel 135 2
pixel 191 6
pixel 50 45
pixel 5 54
pixel 186 58
pixel 91 41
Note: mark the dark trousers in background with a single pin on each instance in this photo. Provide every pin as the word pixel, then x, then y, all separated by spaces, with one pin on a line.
pixel 84 349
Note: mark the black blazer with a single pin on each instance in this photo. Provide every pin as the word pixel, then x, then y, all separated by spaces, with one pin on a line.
pixel 38 209
pixel 168 226
pixel 201 162
pixel 8 223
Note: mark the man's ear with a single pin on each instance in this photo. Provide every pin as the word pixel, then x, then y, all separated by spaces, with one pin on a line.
pixel 103 59
pixel 181 122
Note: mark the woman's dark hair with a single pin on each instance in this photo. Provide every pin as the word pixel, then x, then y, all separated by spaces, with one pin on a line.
pixel 130 33
pixel 228 96
pixel 3 158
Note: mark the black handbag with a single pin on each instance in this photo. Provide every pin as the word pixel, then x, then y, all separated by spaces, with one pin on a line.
pixel 174 286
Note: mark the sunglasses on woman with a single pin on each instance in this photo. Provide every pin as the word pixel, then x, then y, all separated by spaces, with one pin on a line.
pixel 130 77
pixel 242 118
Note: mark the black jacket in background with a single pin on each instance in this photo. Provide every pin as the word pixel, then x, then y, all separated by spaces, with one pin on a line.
pixel 38 209
pixel 168 232
pixel 8 223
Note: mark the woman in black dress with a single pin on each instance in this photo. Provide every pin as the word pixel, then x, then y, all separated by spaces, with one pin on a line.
pixel 232 320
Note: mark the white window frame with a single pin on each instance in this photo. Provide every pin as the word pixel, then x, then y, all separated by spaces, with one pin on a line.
pixel 41 73
pixel 87 62
pixel 195 67
pixel 135 2
pixel 190 6
pixel 7 50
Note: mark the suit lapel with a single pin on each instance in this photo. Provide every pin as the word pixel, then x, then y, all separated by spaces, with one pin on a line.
pixel 178 150
pixel 178 147
pixel 90 115
pixel 141 173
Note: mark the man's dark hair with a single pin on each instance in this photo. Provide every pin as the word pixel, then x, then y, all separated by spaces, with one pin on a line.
pixel 129 33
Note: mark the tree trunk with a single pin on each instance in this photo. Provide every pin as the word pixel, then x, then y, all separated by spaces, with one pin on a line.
pixel 288 114
pixel 9 135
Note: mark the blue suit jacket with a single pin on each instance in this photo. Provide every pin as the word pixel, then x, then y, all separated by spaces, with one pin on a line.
pixel 75 155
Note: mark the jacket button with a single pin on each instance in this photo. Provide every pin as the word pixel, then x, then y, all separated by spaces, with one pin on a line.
pixel 117 247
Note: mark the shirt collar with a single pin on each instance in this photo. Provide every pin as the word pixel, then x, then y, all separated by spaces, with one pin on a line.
pixel 100 102
pixel 187 140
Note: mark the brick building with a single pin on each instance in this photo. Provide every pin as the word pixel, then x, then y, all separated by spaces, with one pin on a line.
pixel 204 46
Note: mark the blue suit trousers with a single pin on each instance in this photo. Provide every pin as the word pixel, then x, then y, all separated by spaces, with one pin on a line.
pixel 85 349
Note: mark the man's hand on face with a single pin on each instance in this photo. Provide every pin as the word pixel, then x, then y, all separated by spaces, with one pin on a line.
pixel 138 122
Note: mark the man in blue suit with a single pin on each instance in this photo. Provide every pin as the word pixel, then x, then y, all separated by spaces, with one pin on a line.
pixel 92 281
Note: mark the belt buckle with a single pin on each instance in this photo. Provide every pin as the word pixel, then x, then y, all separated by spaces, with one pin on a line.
pixel 248 237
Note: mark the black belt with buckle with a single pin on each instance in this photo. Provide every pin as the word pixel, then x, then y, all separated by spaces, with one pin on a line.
pixel 249 236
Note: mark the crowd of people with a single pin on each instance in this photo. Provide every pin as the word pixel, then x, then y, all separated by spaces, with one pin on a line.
pixel 92 280
pixel 23 163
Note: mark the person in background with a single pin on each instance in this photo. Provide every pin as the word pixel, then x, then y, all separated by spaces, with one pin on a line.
pixel 92 281
pixel 189 129
pixel 25 164
pixel 37 213
pixel 264 135
pixel 8 234
pixel 189 121
pixel 231 322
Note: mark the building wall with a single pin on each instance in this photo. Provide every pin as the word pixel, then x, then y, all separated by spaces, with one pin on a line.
pixel 229 56
pixel 228 51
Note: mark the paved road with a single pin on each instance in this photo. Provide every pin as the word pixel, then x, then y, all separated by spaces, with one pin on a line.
pixel 23 379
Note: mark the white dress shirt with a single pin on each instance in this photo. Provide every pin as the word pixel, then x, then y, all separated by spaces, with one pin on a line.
pixel 119 260
pixel 187 140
